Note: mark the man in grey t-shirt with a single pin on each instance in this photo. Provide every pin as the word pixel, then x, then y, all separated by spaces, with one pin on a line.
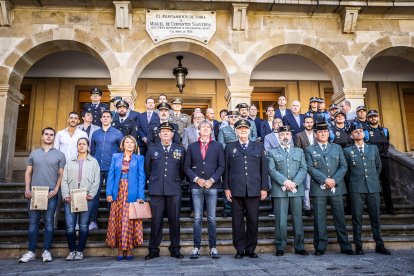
pixel 44 168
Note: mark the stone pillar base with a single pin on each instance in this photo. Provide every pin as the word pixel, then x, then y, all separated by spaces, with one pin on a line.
pixel 238 94
pixel 355 95
pixel 124 91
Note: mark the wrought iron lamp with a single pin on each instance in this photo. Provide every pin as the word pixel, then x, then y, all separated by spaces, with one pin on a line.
pixel 180 72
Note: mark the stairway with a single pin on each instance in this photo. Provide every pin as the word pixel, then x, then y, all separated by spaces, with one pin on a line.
pixel 397 231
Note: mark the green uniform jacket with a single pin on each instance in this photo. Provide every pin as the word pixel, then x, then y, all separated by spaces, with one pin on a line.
pixel 227 135
pixel 331 165
pixel 363 170
pixel 287 166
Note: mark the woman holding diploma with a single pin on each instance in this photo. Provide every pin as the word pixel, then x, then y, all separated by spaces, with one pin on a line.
pixel 79 185
pixel 126 183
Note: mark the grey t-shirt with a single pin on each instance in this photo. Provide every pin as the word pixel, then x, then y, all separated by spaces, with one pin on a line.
pixel 46 166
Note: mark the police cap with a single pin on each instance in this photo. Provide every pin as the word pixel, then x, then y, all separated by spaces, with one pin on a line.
pixel 116 98
pixel 163 106
pixel 313 99
pixel 96 90
pixel 242 105
pixel 236 113
pixel 320 100
pixel 242 123
pixel 361 107
pixel 320 126
pixel 166 125
pixel 339 112
pixel 333 106
pixel 122 103
pixel 372 112
pixel 284 129
pixel 177 101
pixel 355 126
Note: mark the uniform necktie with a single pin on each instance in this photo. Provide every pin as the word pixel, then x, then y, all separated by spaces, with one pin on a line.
pixel 122 120
pixel 286 149
pixel 203 150
pixel 361 151
pixel 166 149
pixel 324 149
pixel 244 146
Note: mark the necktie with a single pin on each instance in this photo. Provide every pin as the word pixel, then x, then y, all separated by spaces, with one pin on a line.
pixel 244 146
pixel 286 149
pixel 149 116
pixel 324 149
pixel 203 150
pixel 122 120
pixel 361 151
pixel 166 149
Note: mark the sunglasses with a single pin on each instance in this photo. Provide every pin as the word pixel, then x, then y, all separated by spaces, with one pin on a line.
pixel 233 116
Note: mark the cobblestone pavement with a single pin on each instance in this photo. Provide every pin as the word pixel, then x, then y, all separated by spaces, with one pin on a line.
pixel 399 263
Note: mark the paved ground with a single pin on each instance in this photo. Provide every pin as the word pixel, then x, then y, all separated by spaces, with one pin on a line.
pixel 399 263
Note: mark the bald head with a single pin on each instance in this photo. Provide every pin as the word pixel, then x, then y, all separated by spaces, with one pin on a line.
pixel 295 107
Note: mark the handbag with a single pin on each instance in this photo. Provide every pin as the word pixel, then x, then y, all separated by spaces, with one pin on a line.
pixel 139 210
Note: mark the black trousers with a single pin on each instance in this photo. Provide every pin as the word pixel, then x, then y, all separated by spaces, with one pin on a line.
pixel 245 233
pixel 386 183
pixel 172 204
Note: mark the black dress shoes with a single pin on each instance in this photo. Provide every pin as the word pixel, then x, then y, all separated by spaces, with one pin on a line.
pixel 239 255
pixel 251 254
pixel 382 250
pixel 302 252
pixel 319 252
pixel 280 253
pixel 358 250
pixel 152 255
pixel 308 213
pixel 391 211
pixel 348 252
pixel 176 255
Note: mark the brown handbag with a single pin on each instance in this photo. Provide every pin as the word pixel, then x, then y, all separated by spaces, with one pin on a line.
pixel 139 210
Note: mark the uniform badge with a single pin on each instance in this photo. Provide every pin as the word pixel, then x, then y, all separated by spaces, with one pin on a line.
pixel 338 133
pixel 371 133
pixel 352 152
pixel 177 154
pixel 103 109
pixel 156 153
pixel 314 152
pixel 113 124
pixel 234 150
pixel 155 128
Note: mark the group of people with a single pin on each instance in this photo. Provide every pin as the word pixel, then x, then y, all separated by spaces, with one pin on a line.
pixel 290 156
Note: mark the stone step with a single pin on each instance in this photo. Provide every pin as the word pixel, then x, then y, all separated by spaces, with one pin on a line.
pixel 222 233
pixel 99 249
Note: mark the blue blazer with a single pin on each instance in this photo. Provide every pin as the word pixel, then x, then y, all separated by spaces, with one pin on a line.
pixel 290 121
pixel 279 115
pixel 143 126
pixel 265 129
pixel 136 177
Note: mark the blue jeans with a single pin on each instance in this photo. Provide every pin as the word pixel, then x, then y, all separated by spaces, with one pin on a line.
pixel 210 196
pixel 71 219
pixel 94 210
pixel 48 219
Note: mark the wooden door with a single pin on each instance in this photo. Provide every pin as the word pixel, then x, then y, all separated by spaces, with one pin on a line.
pixel 409 113
pixel 23 120
pixel 262 100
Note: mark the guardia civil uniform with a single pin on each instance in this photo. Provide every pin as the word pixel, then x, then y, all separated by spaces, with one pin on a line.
pixel 287 163
pixel 181 120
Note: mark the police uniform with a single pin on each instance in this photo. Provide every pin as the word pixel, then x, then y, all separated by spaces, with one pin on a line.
pixel 253 129
pixel 246 175
pixel 323 114
pixel 365 123
pixel 96 109
pixel 182 120
pixel 287 164
pixel 164 166
pixel 153 134
pixel 380 137
pixel 364 167
pixel 126 125
pixel 227 134
pixel 324 164
pixel 316 115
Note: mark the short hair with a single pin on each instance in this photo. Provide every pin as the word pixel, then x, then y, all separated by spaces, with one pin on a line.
pixel 269 106
pixel 348 103
pixel 252 105
pixel 150 98
pixel 48 128
pixel 84 112
pixel 308 117
pixel 122 146
pixel 276 118
pixel 223 110
pixel 196 114
pixel 107 111
pixel 162 95
pixel 73 113
pixel 205 122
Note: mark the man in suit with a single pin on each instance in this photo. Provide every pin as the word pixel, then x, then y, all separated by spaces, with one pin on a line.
pixel 216 125
pixel 303 140
pixel 164 114
pixel 327 167
pixel 246 182
pixel 257 121
pixel 191 133
pixel 164 166
pixel 266 126
pixel 287 169
pixel 282 111
pixel 123 121
pixel 87 125
pixel 244 114
pixel 131 113
pixel 204 165
pixel 347 109
pixel 294 119
pixel 146 122
pixel 364 165
pixel 271 140
pixel 95 106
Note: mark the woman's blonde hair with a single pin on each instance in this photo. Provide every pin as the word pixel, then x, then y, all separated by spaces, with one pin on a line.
pixel 122 148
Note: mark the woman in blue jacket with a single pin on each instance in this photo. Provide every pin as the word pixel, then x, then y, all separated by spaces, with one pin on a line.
pixel 126 184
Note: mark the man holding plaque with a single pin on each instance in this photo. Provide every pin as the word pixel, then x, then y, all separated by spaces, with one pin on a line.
pixel 44 169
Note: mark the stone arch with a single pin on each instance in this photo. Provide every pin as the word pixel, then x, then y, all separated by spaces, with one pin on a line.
pixel 139 60
pixel 41 44
pixel 319 53
pixel 394 45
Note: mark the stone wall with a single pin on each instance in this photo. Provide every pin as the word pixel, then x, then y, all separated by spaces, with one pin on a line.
pixel 402 174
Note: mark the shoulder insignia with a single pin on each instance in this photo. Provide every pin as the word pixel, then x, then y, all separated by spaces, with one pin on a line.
pixel 234 150
pixel 156 153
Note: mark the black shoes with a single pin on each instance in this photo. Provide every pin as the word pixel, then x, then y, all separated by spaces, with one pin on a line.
pixel 391 211
pixel 319 252
pixel 348 252
pixel 302 252
pixel 176 255
pixel 152 255
pixel 358 250
pixel 382 250
pixel 251 254
pixel 279 253
pixel 307 213
pixel 239 255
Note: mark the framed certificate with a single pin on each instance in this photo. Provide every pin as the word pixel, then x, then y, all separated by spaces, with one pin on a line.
pixel 39 198
pixel 78 200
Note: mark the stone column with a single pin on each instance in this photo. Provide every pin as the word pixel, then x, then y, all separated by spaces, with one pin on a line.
pixel 355 95
pixel 124 91
pixel 10 99
pixel 238 94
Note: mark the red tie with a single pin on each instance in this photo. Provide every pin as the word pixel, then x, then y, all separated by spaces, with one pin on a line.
pixel 203 150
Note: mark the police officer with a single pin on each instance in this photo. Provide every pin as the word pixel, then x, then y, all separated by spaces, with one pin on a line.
pixel 287 169
pixel 313 109
pixel 244 114
pixel 246 182
pixel 96 107
pixel 182 120
pixel 322 113
pixel 361 116
pixel 327 167
pixel 164 114
pixel 380 136
pixel 364 165
pixel 333 108
pixel 164 166
pixel 123 122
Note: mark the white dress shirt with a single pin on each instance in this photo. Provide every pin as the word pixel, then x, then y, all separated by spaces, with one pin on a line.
pixel 67 144
pixel 310 137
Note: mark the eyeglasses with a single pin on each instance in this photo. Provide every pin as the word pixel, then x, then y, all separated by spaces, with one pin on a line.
pixel 233 116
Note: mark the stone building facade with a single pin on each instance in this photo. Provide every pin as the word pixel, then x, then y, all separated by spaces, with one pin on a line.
pixel 341 37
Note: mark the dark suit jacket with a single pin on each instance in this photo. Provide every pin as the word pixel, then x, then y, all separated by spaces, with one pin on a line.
pixel 246 170
pixel 144 128
pixel 289 120
pixel 258 123
pixel 127 127
pixel 133 115
pixel 164 170
pixel 211 167
pixel 216 128
pixel 154 138
pixel 265 129
pixel 278 114
pixel 302 140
